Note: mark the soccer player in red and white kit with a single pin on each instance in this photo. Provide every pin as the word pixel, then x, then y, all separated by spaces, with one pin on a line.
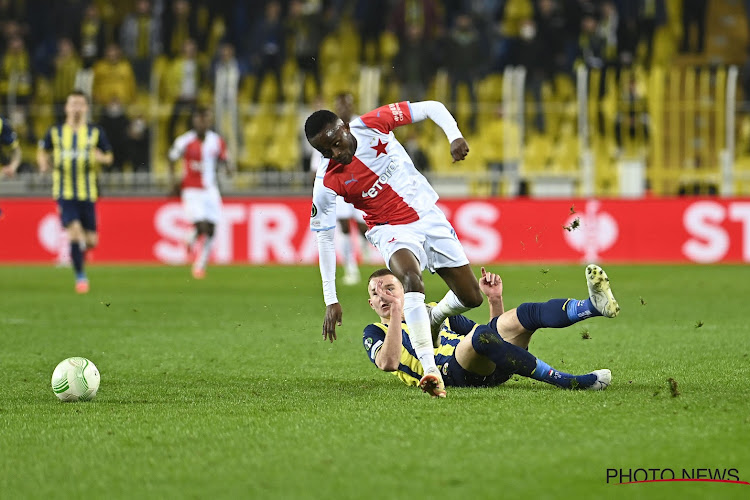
pixel 370 169
pixel 203 151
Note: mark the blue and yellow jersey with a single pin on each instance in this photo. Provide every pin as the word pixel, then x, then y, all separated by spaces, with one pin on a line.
pixel 410 369
pixel 73 164
pixel 8 137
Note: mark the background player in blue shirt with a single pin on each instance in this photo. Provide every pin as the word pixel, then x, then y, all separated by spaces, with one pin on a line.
pixel 74 150
pixel 8 139
pixel 474 355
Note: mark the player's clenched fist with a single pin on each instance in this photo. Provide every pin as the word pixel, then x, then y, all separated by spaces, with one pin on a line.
pixel 459 149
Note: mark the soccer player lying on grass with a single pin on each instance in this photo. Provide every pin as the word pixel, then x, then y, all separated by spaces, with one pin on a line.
pixel 473 355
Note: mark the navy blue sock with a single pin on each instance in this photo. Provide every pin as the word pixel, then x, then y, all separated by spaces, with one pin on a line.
pixel 76 255
pixel 512 359
pixel 555 313
pixel 550 314
pixel 507 357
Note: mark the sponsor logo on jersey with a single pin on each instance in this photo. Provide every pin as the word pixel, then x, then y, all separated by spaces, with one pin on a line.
pixel 398 115
pixel 381 182
pixel 313 210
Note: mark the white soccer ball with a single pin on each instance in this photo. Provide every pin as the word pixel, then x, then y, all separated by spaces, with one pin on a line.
pixel 75 379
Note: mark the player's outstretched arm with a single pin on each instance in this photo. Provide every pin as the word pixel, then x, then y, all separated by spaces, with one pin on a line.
pixel 327 263
pixel 103 158
pixel 492 286
pixel 43 160
pixel 389 355
pixel 438 113
pixel 9 170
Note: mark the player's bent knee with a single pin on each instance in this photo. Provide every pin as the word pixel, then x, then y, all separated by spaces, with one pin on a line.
pixel 412 282
pixel 472 300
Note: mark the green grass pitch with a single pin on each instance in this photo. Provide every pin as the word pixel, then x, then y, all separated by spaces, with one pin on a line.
pixel 224 388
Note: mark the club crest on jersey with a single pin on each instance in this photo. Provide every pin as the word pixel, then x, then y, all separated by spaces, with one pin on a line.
pixel 368 343
pixel 313 210
pixel 381 182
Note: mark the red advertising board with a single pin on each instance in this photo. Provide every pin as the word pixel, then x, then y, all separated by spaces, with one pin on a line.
pixel 259 230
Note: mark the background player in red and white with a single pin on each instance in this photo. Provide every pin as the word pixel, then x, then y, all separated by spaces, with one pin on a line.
pixel 346 214
pixel 203 151
pixel 369 168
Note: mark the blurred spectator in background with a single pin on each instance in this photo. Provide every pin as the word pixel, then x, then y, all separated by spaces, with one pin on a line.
pixel 424 14
pixel 512 15
pixel 66 67
pixel 178 27
pixel 138 142
pixel 90 36
pixel 608 29
pixel 415 151
pixel 414 65
pixel 305 25
pixel 11 10
pixel 184 81
pixel 115 125
pixel 226 75
pixel 370 16
pixel 634 120
pixel 113 78
pixel 140 39
pixel 539 66
pixel 15 81
pixel 627 30
pixel 266 49
pixel 591 42
pixel 651 15
pixel 549 20
pixel 693 15
pixel 462 52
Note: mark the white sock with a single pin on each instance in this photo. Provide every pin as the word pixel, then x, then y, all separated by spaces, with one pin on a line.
pixel 447 307
pixel 205 252
pixel 192 236
pixel 415 315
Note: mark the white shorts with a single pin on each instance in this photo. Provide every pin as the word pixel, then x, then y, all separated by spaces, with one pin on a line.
pixel 431 238
pixel 202 204
pixel 347 211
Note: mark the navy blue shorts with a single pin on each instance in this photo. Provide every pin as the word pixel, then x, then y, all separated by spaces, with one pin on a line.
pixel 454 375
pixel 83 211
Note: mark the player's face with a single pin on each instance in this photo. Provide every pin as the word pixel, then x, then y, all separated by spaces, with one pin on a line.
pixel 201 122
pixel 76 107
pixel 336 142
pixel 390 283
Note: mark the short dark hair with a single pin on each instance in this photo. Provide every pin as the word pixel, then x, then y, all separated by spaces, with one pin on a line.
pixel 78 93
pixel 318 121
pixel 379 273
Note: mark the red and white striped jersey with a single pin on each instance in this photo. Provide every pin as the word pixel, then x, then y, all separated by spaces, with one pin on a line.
pixel 381 180
pixel 200 157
